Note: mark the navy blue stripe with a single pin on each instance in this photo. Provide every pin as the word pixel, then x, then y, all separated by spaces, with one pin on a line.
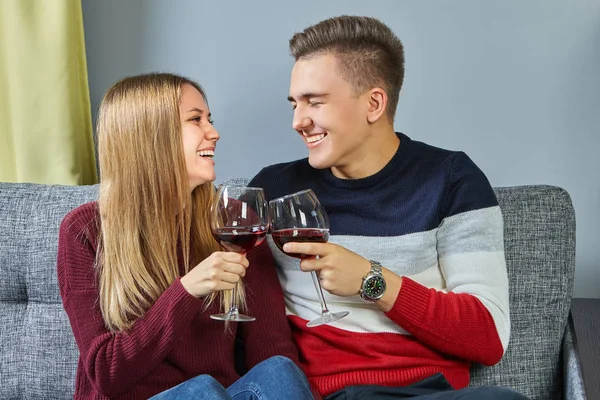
pixel 414 192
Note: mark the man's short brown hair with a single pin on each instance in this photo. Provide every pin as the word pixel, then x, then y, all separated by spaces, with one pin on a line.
pixel 368 53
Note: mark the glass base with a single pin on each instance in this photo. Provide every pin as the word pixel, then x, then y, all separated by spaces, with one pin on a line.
pixel 233 316
pixel 326 318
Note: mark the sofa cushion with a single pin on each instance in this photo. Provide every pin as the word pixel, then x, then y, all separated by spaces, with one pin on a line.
pixel 539 236
pixel 38 355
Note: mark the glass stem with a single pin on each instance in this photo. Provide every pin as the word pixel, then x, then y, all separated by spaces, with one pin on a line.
pixel 315 278
pixel 234 307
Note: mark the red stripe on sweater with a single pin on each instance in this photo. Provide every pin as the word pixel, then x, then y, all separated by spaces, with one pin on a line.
pixel 457 324
pixel 448 332
pixel 333 358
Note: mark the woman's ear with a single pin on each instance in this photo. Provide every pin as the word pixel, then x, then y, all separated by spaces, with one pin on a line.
pixel 378 101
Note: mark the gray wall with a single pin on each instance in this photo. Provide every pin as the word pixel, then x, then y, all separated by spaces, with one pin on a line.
pixel 514 84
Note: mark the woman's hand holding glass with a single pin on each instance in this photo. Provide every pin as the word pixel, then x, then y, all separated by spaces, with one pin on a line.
pixel 239 223
pixel 220 271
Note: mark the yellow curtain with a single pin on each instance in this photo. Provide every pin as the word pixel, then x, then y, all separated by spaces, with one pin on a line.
pixel 45 117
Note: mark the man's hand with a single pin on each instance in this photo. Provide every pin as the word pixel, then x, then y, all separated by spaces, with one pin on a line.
pixel 340 270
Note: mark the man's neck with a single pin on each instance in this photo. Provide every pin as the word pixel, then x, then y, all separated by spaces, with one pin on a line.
pixel 377 153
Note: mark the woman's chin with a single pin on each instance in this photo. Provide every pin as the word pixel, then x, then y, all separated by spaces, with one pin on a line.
pixel 201 181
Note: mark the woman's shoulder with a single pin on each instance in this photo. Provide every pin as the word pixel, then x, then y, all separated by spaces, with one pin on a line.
pixel 77 246
pixel 83 220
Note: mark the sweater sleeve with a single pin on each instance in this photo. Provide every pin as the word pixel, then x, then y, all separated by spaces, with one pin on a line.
pixel 114 362
pixel 470 318
pixel 270 334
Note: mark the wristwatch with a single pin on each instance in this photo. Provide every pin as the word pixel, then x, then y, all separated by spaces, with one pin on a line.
pixel 373 284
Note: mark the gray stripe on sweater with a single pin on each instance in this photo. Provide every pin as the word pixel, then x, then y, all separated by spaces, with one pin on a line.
pixel 472 231
pixel 405 255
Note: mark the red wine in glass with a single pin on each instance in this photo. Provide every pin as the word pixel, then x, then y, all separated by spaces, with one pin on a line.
pixel 302 235
pixel 299 217
pixel 240 240
pixel 238 222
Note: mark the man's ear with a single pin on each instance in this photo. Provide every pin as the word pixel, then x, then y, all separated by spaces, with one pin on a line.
pixel 378 101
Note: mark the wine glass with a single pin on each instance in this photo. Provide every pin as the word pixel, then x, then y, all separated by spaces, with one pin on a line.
pixel 238 222
pixel 299 217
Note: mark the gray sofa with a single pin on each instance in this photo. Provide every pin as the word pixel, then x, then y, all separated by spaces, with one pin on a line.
pixel 38 356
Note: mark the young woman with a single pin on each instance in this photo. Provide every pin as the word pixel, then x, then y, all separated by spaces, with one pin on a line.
pixel 140 273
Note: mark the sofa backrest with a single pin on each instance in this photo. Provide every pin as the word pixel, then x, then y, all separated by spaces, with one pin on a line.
pixel 539 244
pixel 38 356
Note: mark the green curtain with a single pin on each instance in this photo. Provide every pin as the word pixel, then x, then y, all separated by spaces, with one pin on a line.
pixel 45 117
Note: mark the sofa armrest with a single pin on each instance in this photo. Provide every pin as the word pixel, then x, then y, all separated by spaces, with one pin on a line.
pixel 573 381
pixel 585 314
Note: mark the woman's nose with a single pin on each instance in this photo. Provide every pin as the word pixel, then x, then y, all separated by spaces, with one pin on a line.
pixel 212 135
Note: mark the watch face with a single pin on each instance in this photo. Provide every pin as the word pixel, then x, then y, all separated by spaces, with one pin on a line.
pixel 374 287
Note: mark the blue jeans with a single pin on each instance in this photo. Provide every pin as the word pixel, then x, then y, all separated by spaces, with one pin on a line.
pixel 435 387
pixel 275 378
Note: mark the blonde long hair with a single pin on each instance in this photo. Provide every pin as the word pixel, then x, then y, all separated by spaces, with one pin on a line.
pixel 148 216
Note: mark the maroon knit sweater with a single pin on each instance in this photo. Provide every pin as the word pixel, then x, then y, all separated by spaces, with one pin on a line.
pixel 175 340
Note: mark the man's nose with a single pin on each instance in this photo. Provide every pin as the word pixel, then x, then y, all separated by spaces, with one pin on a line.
pixel 301 121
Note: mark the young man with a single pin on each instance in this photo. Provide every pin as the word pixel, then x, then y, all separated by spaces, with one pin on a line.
pixel 416 251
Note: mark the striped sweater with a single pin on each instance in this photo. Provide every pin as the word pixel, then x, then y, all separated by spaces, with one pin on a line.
pixel 430 216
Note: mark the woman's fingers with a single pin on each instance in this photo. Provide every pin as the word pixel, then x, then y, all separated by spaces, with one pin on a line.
pixel 220 271
pixel 235 258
